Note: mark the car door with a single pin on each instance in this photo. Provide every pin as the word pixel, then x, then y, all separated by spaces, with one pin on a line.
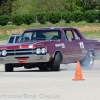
pixel 73 46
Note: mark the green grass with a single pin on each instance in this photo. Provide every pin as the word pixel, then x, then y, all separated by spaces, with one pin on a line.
pixel 89 35
pixel 92 35
pixel 4 37
pixel 37 25
pixel 83 23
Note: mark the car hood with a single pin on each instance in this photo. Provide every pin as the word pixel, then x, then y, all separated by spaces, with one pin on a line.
pixel 24 45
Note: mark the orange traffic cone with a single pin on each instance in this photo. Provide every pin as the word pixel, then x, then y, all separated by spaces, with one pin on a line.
pixel 78 73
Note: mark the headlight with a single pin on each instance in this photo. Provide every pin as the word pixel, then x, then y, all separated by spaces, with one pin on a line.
pixel 43 50
pixel 4 52
pixel 38 51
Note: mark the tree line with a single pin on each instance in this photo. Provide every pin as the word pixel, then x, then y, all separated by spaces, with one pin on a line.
pixel 10 7
pixel 89 16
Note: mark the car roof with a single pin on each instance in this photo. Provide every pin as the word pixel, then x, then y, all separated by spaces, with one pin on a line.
pixel 48 28
pixel 15 34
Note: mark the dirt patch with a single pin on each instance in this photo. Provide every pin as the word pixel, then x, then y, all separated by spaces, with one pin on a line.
pixel 9 32
pixel 82 29
pixel 89 28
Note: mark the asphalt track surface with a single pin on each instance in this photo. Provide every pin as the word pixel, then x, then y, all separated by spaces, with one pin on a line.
pixel 33 84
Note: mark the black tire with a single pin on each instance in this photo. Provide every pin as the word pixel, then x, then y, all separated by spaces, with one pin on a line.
pixel 27 67
pixel 88 61
pixel 56 63
pixel 8 67
pixel 43 68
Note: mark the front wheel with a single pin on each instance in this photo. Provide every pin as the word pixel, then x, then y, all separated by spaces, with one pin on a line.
pixel 43 68
pixel 55 66
pixel 8 67
pixel 88 61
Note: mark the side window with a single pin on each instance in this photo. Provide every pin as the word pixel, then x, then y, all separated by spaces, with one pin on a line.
pixel 11 39
pixel 76 36
pixel 69 35
pixel 54 35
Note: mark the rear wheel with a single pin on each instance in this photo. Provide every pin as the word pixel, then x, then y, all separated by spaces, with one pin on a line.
pixel 88 61
pixel 56 63
pixel 8 67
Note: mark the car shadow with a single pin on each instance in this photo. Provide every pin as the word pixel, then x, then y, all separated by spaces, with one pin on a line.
pixel 36 71
pixel 61 70
pixel 30 71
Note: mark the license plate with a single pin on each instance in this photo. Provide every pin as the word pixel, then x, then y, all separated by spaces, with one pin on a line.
pixel 22 60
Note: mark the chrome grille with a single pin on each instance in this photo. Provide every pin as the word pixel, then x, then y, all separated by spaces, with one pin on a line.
pixel 20 52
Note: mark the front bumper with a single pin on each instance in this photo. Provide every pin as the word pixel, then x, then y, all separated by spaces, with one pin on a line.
pixel 32 58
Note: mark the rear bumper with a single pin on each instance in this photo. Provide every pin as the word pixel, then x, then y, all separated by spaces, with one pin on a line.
pixel 29 58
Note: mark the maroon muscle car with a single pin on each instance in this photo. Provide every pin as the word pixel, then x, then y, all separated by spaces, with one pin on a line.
pixel 47 48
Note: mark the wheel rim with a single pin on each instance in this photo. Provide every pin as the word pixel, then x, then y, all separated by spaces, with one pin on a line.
pixel 91 58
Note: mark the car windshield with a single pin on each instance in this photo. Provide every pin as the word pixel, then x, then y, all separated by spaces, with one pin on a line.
pixel 41 35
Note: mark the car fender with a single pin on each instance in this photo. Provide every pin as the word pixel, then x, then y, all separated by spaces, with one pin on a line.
pixel 58 51
pixel 91 50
